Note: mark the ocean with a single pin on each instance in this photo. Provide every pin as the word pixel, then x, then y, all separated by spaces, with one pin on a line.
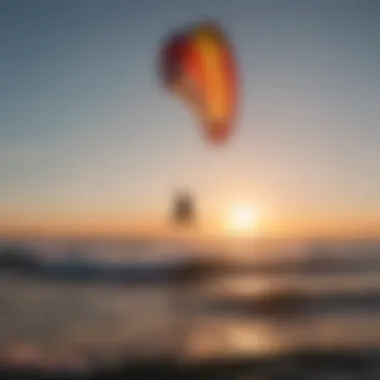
pixel 281 297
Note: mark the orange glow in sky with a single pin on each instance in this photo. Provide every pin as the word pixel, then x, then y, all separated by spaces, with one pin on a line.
pixel 237 220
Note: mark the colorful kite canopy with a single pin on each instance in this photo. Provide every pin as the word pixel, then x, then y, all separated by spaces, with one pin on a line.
pixel 198 65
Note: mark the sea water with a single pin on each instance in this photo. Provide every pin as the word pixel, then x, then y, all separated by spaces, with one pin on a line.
pixel 63 323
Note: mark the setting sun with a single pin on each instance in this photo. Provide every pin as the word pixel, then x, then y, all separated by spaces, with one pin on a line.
pixel 242 219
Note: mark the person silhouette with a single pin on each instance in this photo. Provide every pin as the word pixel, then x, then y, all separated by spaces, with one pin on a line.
pixel 183 211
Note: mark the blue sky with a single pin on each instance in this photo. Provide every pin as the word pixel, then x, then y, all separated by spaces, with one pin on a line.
pixel 87 129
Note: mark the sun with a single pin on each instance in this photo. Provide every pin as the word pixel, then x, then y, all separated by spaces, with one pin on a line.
pixel 242 219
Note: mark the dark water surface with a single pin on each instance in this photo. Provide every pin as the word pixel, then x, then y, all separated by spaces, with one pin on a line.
pixel 326 305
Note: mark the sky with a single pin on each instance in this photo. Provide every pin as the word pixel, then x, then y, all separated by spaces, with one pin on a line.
pixel 90 140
